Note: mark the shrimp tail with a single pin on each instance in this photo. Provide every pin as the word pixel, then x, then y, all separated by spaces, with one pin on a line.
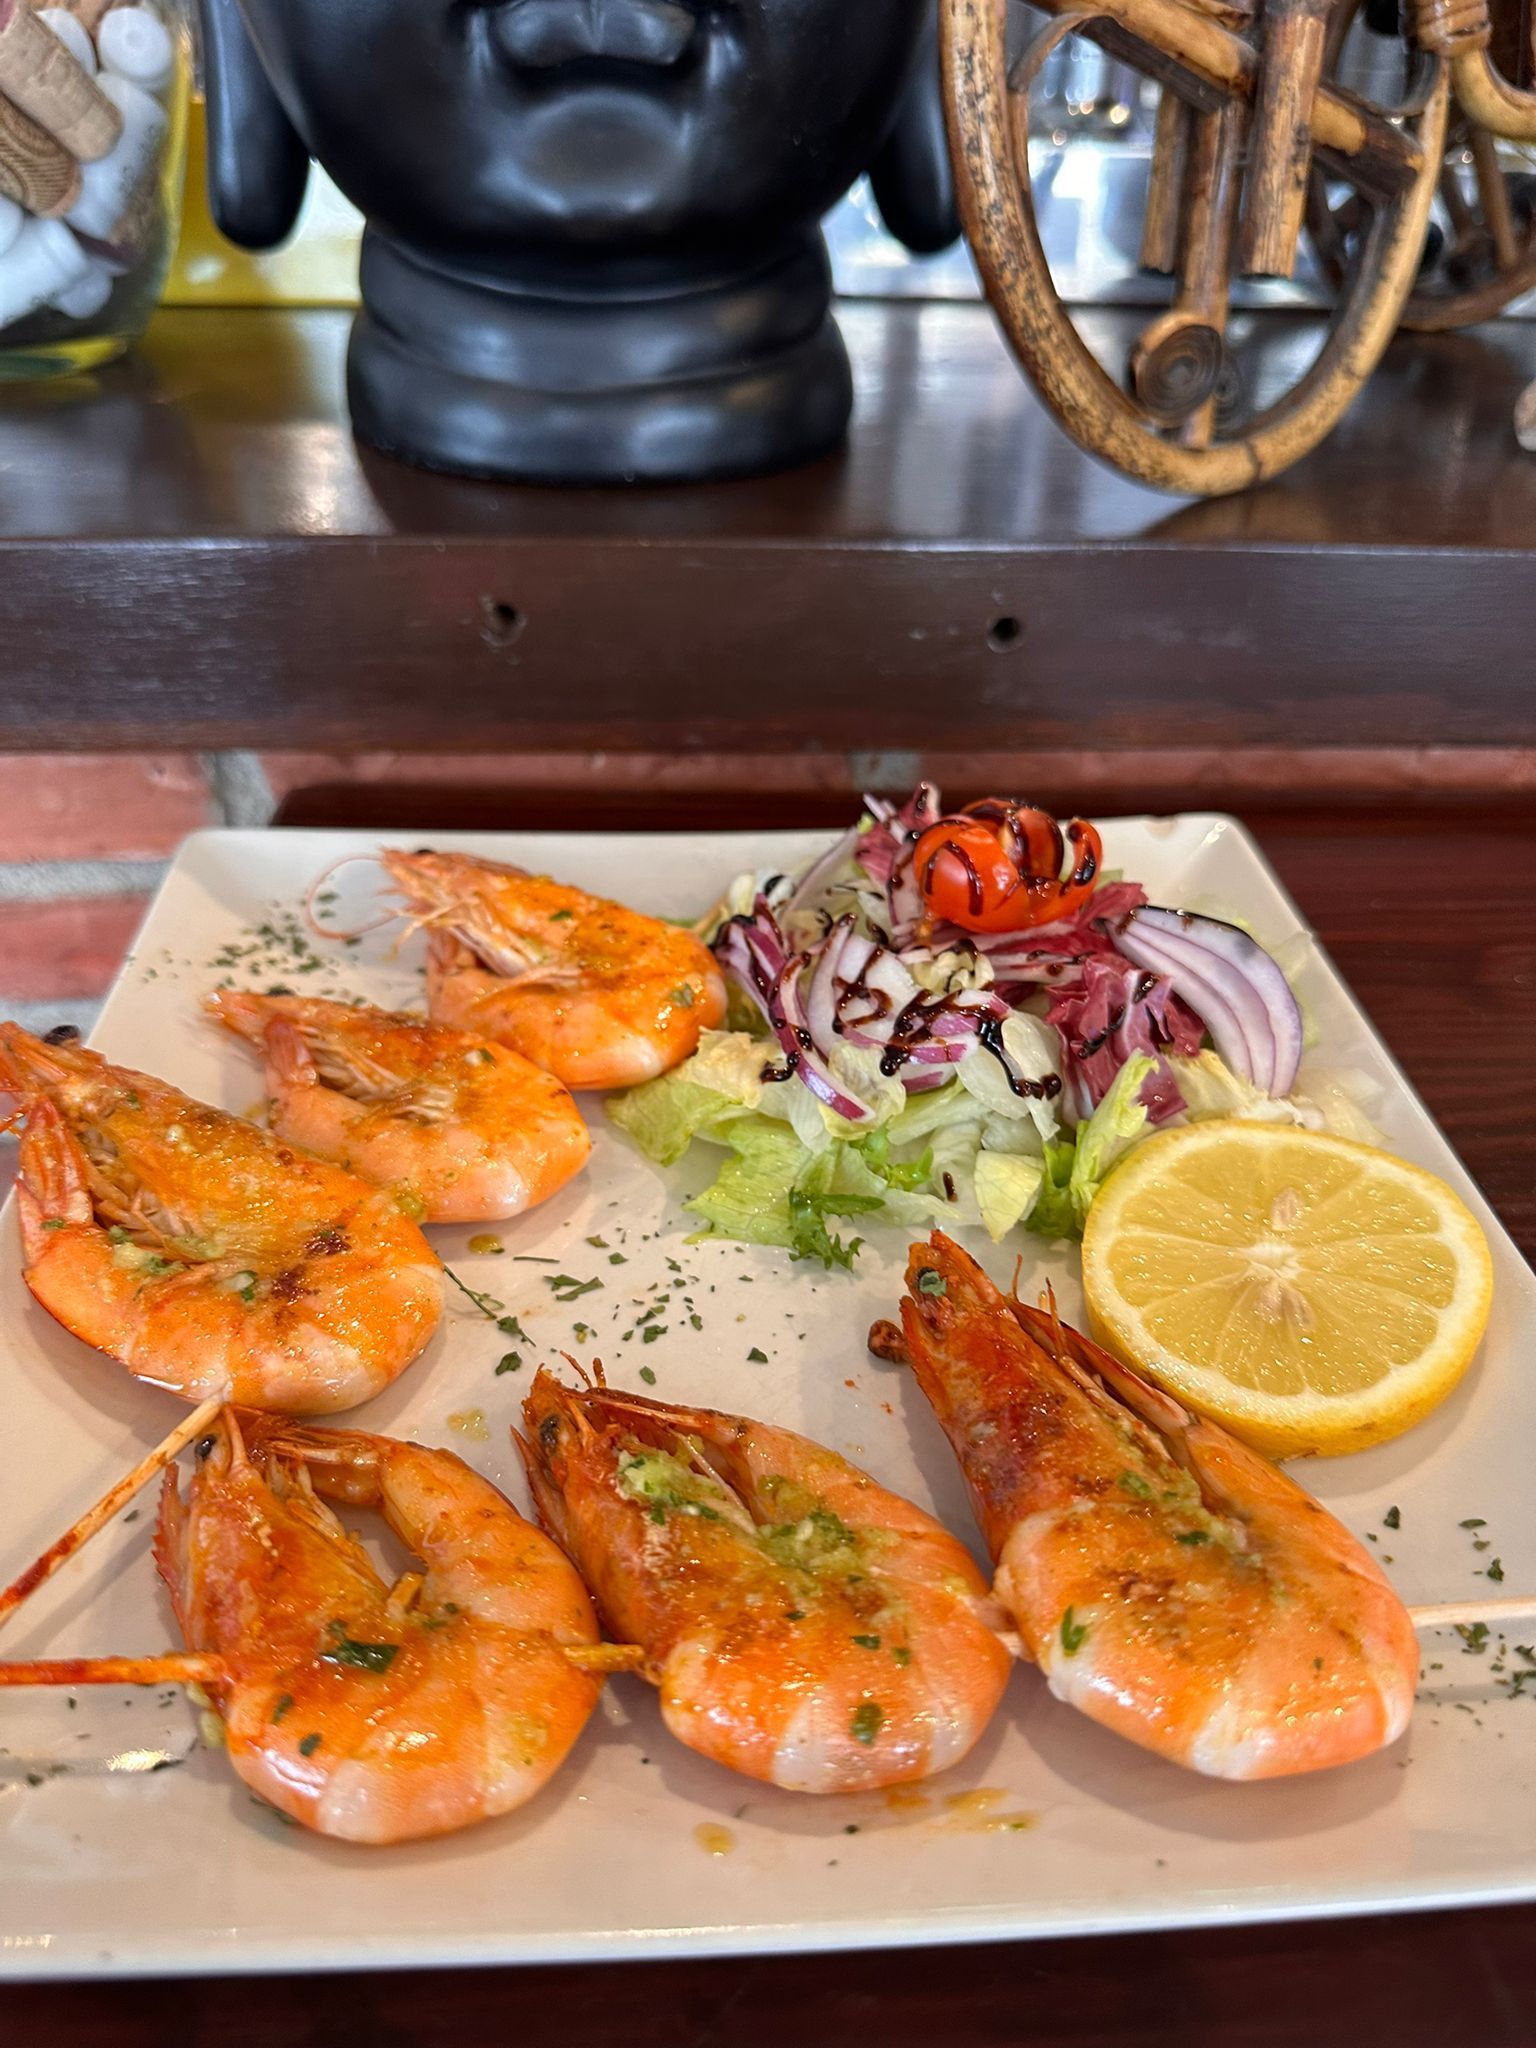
pixel 272 1030
pixel 53 1183
pixel 290 1063
pixel 240 1011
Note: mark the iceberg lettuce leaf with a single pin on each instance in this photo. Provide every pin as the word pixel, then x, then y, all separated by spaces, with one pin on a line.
pixel 1115 1125
pixel 1006 1186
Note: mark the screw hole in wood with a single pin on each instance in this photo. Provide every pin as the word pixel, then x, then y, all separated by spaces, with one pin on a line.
pixel 500 623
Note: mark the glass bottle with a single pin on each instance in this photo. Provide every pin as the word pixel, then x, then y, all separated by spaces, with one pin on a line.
pixel 93 127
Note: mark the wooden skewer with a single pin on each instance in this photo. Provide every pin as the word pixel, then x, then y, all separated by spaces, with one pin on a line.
pixel 1467 1613
pixel 96 1518
pixel 605 1656
pixel 192 1667
pixel 176 1667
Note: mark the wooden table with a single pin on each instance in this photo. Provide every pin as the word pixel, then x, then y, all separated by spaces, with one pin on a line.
pixel 1433 921
pixel 195 553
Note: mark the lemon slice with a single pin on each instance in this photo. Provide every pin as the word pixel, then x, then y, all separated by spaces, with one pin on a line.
pixel 1313 1294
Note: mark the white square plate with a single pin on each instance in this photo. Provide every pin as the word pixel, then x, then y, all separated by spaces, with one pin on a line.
pixel 109 1869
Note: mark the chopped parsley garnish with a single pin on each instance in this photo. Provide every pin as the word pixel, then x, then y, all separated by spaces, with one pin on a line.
pixel 809 1236
pixel 649 1336
pixel 683 996
pixel 866 1642
pixel 363 1656
pixel 1392 1519
pixel 646 1374
pixel 282 1706
pixel 902 1654
pixel 1495 1568
pixel 568 1288
pixel 53 1223
pixel 757 1357
pixel 1193 1536
pixel 617 1259
pixel 1074 1633
pixel 931 1282
pixel 908 1175
pixel 487 1304
pixel 868 1720
pixel 1474 1636
pixel 309 1745
pixel 1133 1484
pixel 510 1361
pixel 598 1244
pixel 509 1326
pixel 1473 1522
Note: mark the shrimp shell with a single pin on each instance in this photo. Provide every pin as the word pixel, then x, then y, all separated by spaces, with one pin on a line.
pixel 464 1130
pixel 598 995
pixel 1170 1582
pixel 368 1712
pixel 207 1256
pixel 805 1626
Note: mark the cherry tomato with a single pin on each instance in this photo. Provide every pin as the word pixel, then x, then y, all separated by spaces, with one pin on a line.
pixel 966 874
pixel 997 867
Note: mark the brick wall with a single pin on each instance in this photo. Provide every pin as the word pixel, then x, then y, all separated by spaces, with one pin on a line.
pixel 85 838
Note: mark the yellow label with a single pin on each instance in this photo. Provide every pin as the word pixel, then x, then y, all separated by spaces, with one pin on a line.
pixel 316 266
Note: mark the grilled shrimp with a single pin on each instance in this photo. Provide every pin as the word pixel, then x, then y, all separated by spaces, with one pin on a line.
pixel 459 1129
pixel 804 1626
pixel 597 995
pixel 369 1712
pixel 1170 1582
pixel 205 1255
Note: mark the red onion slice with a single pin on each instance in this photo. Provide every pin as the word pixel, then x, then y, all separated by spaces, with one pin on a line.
pixel 821 871
pixel 1232 982
pixel 794 1034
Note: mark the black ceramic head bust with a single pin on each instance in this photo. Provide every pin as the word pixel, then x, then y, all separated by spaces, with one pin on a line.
pixel 593 250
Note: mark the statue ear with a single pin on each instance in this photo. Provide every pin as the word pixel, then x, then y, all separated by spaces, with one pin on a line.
pixel 257 166
pixel 913 183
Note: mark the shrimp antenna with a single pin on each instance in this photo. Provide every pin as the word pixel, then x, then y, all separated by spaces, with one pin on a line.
pixel 96 1518
pixel 335 931
pixel 581 1371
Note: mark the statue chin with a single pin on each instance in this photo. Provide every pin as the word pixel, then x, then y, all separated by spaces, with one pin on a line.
pixel 598 170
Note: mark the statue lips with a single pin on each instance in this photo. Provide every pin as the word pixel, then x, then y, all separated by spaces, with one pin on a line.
pixel 541 34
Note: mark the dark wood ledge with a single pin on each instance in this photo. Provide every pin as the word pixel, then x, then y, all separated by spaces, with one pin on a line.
pixel 194 552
